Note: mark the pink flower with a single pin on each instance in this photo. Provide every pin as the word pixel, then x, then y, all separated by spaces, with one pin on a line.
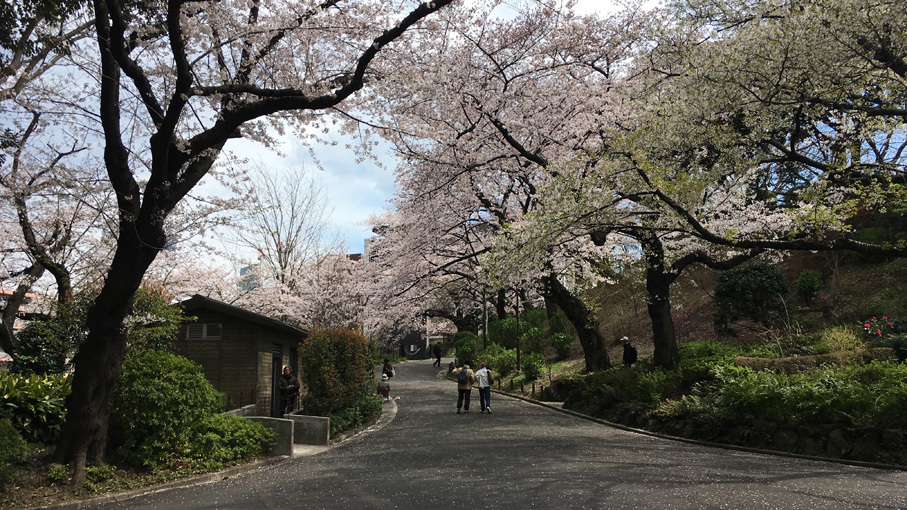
pixel 866 325
pixel 812 299
pixel 879 332
pixel 840 296
pixel 884 318
pixel 822 298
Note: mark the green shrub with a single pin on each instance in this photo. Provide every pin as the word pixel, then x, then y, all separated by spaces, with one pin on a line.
pixel 466 348
pixel 35 404
pixel 561 342
pixel 158 400
pixel 503 332
pixel 501 360
pixel 534 340
pixel 40 349
pixel 533 318
pixel 753 291
pixel 698 358
pixel 809 283
pixel 13 449
pixel 362 411
pixel 223 439
pixel 337 369
pixel 837 339
pixel 531 365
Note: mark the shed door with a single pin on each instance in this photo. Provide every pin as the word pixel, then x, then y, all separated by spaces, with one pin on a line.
pixel 276 359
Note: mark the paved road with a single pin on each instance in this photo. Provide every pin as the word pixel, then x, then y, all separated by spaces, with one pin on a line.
pixel 525 457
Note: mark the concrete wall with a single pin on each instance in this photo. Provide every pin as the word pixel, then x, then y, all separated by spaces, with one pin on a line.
pixel 284 430
pixel 314 430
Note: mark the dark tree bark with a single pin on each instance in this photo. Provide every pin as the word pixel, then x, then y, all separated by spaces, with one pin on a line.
pixel 594 351
pixel 500 305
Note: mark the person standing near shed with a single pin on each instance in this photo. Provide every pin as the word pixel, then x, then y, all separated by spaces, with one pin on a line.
pixel 465 379
pixel 288 386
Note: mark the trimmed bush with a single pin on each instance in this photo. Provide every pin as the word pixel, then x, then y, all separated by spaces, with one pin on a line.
pixel 223 439
pixel 40 349
pixel 501 360
pixel 35 404
pixel 753 291
pixel 158 401
pixel 362 411
pixel 503 332
pixel 809 283
pixel 337 370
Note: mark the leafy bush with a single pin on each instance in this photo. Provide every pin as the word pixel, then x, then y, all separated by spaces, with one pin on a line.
pixel 839 338
pixel 224 439
pixel 466 348
pixel 501 360
pixel 362 411
pixel 534 340
pixel 13 449
pixel 698 358
pixel 337 369
pixel 561 342
pixel 857 396
pixel 533 318
pixel 40 349
pixel 503 332
pixel 158 400
pixel 752 291
pixel 531 364
pixel 35 404
pixel 809 283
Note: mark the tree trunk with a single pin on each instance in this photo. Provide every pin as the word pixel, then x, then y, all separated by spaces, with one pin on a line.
pixel 500 305
pixel 664 336
pixel 99 360
pixel 658 300
pixel 578 314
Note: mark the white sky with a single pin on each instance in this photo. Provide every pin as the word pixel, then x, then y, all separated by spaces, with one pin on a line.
pixel 356 190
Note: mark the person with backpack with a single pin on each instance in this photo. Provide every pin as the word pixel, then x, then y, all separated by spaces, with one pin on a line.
pixel 629 353
pixel 465 379
pixel 484 380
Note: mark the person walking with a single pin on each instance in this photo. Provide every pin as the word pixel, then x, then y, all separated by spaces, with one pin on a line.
pixel 630 354
pixel 465 379
pixel 484 380
pixel 436 350
pixel 288 386
pixel 388 368
pixel 384 387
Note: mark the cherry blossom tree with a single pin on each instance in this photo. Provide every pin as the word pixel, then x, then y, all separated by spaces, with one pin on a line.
pixel 177 82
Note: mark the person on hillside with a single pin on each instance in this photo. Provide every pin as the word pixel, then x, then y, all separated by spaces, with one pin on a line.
pixel 465 379
pixel 388 368
pixel 436 350
pixel 484 380
pixel 384 387
pixel 288 386
pixel 629 353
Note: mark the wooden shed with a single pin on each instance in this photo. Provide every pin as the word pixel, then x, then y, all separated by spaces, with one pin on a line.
pixel 241 352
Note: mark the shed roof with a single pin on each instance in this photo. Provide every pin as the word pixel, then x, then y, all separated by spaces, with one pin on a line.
pixel 199 302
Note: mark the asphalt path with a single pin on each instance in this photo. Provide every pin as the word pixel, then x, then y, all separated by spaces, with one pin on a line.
pixel 525 456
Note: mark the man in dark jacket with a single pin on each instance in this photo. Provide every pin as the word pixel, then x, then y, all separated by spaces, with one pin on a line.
pixel 288 386
pixel 629 353
pixel 436 350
